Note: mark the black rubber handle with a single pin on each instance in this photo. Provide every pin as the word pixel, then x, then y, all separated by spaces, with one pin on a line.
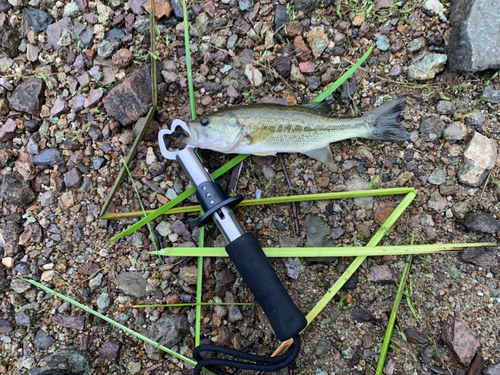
pixel 257 272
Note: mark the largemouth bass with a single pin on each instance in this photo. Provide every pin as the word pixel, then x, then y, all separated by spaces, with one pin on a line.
pixel 266 129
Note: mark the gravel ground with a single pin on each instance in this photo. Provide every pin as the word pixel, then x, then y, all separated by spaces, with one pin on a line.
pixel 74 92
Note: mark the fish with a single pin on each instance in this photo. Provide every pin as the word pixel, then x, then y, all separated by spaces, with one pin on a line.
pixel 268 129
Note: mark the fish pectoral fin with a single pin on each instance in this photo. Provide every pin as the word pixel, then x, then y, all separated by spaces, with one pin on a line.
pixel 323 154
pixel 323 108
pixel 260 135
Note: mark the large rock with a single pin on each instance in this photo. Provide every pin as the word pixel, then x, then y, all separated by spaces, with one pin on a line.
pixel 131 98
pixel 427 68
pixel 461 339
pixel 481 222
pixel 55 32
pixel 480 157
pixel 28 96
pixel 9 238
pixel 78 361
pixel 166 331
pixel 474 42
pixel 38 19
pixel 15 190
pixel 132 283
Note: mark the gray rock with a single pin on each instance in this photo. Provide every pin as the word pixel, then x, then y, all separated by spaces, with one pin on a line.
pixel 82 35
pixel 19 286
pixel 438 177
pixel 179 227
pixel 98 162
pixel 306 6
pixel 233 312
pixel 56 30
pixel 492 370
pixel 460 209
pixel 480 256
pixel 73 178
pixel 66 321
pixel 431 129
pixel 468 48
pixel 42 340
pixel 132 283
pixel 28 96
pixel 245 5
pixel 456 131
pixel 428 67
pixel 8 130
pixel 103 301
pixel 475 120
pixel 415 336
pixel 4 5
pixel 60 106
pixel 481 222
pixel 78 103
pixel 318 232
pixel 363 316
pixel 292 268
pixel 38 19
pixel 15 190
pixel 280 18
pixel 427 353
pixel 437 203
pixel 107 47
pixel 25 318
pixel 48 157
pixel 78 361
pixel 323 349
pixel 10 41
pixel 177 10
pixel 480 157
pixel 313 82
pixel 445 107
pixel 166 331
pixel 5 326
pixel 358 183
pixel 223 280
pixel 383 43
pixel 491 95
pixel 142 24
pixel 416 45
pixel 71 10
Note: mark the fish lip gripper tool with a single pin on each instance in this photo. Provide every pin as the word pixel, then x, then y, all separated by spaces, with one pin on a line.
pixel 249 259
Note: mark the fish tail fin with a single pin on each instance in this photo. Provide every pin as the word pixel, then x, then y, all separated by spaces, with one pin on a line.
pixel 386 127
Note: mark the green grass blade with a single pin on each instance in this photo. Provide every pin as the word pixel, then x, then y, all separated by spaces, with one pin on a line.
pixel 199 285
pixel 342 78
pixel 188 61
pixel 304 252
pixel 111 321
pixel 272 200
pixel 219 172
pixel 394 313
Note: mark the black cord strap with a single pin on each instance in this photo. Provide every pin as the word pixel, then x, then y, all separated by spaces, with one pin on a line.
pixel 252 362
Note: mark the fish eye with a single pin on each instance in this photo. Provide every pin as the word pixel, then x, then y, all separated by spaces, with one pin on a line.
pixel 205 121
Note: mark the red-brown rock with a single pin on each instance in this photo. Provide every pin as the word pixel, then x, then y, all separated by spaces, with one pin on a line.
pixel 461 339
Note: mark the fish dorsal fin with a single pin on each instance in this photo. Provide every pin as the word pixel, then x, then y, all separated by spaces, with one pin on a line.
pixel 260 135
pixel 323 154
pixel 323 108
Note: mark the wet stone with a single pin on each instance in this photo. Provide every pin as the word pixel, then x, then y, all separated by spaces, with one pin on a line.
pixel 38 19
pixel 132 283
pixel 233 312
pixel 25 318
pixel 383 43
pixel 166 331
pixel 22 268
pixel 461 339
pixel 438 177
pixel 72 178
pixel 19 286
pixel 431 129
pixel 481 222
pixel 48 157
pixel 78 361
pixel 415 336
pixel 428 67
pixel 317 40
pixel 27 96
pixel 42 340
pixel 480 256
pixel 5 326
pixel 427 353
pixel 73 322
pixel 130 99
pixel 380 274
pixel 475 120
pixel 15 190
pixel 110 350
pixel 363 316
pixel 56 30
pixel 107 47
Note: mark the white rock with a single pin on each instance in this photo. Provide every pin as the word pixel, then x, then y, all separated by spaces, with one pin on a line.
pixel 480 157
pixel 253 75
pixel 150 156
pixel 434 7
pixel 47 275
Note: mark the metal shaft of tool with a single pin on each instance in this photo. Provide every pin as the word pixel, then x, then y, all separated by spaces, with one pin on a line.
pixel 224 218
